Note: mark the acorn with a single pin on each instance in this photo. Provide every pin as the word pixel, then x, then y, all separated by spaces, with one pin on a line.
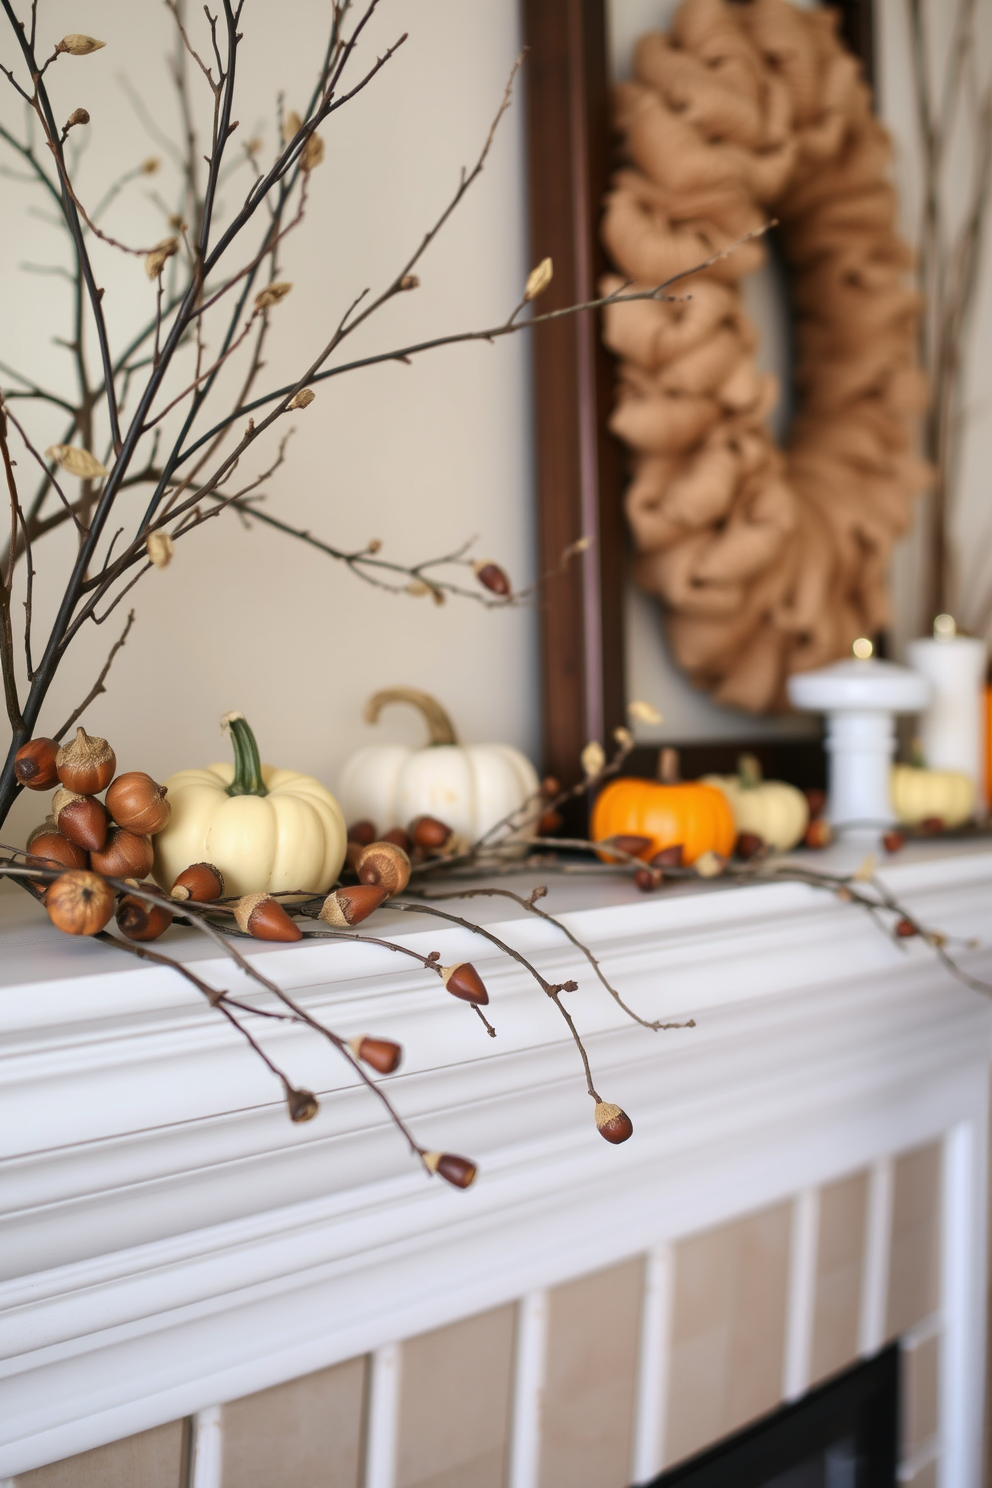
pixel 818 833
pixel 628 843
pixel 613 1123
pixel 125 855
pixel 458 1171
pixel 749 845
pixel 429 833
pixel 492 577
pixel 83 819
pixel 350 906
pixel 550 787
pixel 934 825
pixel 264 917
pixel 648 879
pixel 79 902
pixel 138 920
pixel 200 882
pixel 362 832
pixel 136 802
pixel 399 836
pixel 465 982
pixel 905 928
pixel 86 765
pixel 815 800
pixel 386 865
pixel 50 849
pixel 382 1054
pixel 303 1104
pixel 34 764
pixel 669 857
pixel 549 823
pixel 893 841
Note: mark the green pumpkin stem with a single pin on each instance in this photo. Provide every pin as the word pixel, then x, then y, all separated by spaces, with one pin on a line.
pixel 247 766
pixel 749 771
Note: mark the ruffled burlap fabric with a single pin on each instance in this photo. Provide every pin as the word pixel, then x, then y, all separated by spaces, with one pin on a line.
pixel 768 561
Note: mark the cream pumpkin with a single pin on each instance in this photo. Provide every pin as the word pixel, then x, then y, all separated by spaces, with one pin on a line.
pixel 469 787
pixel 266 829
pixel 776 812
pixel 919 795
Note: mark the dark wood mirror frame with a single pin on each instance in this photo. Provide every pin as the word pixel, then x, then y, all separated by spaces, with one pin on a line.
pixel 579 466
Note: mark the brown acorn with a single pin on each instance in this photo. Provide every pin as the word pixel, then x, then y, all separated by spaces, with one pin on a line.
pixel 386 865
pixel 125 855
pixel 893 841
pixel 382 1054
pixel 905 928
pixel 141 921
pixel 86 765
pixel 612 1123
pixel 932 824
pixel 429 833
pixel 136 802
pixel 79 902
pixel 465 982
pixel 303 1104
pixel 669 857
pixel 818 833
pixel 648 879
pixel 627 843
pixel 200 882
pixel 399 836
pixel 264 917
pixel 749 845
pixel 362 832
pixel 83 819
pixel 351 905
pixel 458 1171
pixel 34 764
pixel 815 800
pixel 549 823
pixel 492 577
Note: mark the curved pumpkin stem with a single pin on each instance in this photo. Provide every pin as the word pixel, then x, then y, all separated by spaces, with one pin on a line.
pixel 669 766
pixel 439 725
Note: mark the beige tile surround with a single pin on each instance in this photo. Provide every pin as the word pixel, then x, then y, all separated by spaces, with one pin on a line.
pixel 726 1355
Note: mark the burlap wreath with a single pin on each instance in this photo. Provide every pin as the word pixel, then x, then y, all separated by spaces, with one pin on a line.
pixel 768 561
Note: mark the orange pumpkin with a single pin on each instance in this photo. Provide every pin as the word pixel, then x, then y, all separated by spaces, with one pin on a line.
pixel 697 816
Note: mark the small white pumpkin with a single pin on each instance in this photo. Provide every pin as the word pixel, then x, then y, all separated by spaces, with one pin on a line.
pixel 469 787
pixel 776 812
pixel 918 795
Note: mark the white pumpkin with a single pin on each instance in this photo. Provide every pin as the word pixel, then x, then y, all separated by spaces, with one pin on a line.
pixel 945 795
pixel 469 787
pixel 776 812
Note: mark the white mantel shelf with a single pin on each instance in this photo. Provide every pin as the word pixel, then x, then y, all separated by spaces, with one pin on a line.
pixel 168 1240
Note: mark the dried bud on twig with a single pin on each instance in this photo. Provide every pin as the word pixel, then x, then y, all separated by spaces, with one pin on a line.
pixel 76 461
pixel 458 1171
pixel 80 903
pixel 271 295
pixel 382 1054
pixel 78 116
pixel 538 279
pixel 86 765
pixel 159 256
pixel 200 882
pixel 291 126
pixel 303 399
pixel 386 865
pixel 160 548
pixel 312 154
pixel 303 1104
pixel 641 712
pixel 465 982
pixel 79 46
pixel 409 281
pixel 352 905
pixel 492 577
pixel 592 758
pixel 264 917
pixel 150 166
pixel 613 1123
pixel 34 764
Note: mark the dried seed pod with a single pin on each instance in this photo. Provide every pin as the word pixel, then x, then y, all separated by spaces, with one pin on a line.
pixel 538 279
pixel 749 845
pixel 156 261
pixel 362 832
pixel 905 928
pixel 893 842
pixel 125 855
pixel 382 1054
pixel 465 982
pixel 302 399
pixel 83 819
pixel 141 921
pixel 303 1104
pixel 160 549
pixel 613 1123
pixel 710 864
pixel 79 902
pixel 818 833
pixel 34 764
pixel 350 906
pixel 385 865
pixel 669 857
pixel 86 765
pixel 50 849
pixel 493 578
pixel 200 882
pixel 135 801
pixel 458 1171
pixel 79 46
pixel 399 836
pixel 264 917
pixel 429 833
pixel 78 116
pixel 312 154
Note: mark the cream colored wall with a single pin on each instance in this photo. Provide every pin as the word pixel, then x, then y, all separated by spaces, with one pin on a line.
pixel 423 456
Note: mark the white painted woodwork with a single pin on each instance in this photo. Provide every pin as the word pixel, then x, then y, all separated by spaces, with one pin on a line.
pixel 169 1241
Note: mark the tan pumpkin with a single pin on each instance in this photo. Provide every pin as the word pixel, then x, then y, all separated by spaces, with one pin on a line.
pixel 776 812
pixel 686 814
pixel 920 795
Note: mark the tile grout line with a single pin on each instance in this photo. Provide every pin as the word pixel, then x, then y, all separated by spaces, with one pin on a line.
pixel 528 1388
pixel 652 1367
pixel 802 1294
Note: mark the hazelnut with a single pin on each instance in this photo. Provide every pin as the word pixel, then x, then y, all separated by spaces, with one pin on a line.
pixel 137 803
pixel 86 765
pixel 80 903
pixel 34 764
pixel 125 855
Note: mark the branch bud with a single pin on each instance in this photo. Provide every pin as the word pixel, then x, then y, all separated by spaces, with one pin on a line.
pixel 592 758
pixel 76 461
pixel 312 154
pixel 291 126
pixel 79 46
pixel 641 712
pixel 159 256
pixel 160 548
pixel 410 281
pixel 78 116
pixel 538 279
pixel 303 399
pixel 271 295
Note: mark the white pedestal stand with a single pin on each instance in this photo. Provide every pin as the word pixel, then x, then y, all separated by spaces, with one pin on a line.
pixel 860 699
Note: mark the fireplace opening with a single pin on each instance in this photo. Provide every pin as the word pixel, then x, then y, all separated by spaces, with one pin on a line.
pixel 844 1434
